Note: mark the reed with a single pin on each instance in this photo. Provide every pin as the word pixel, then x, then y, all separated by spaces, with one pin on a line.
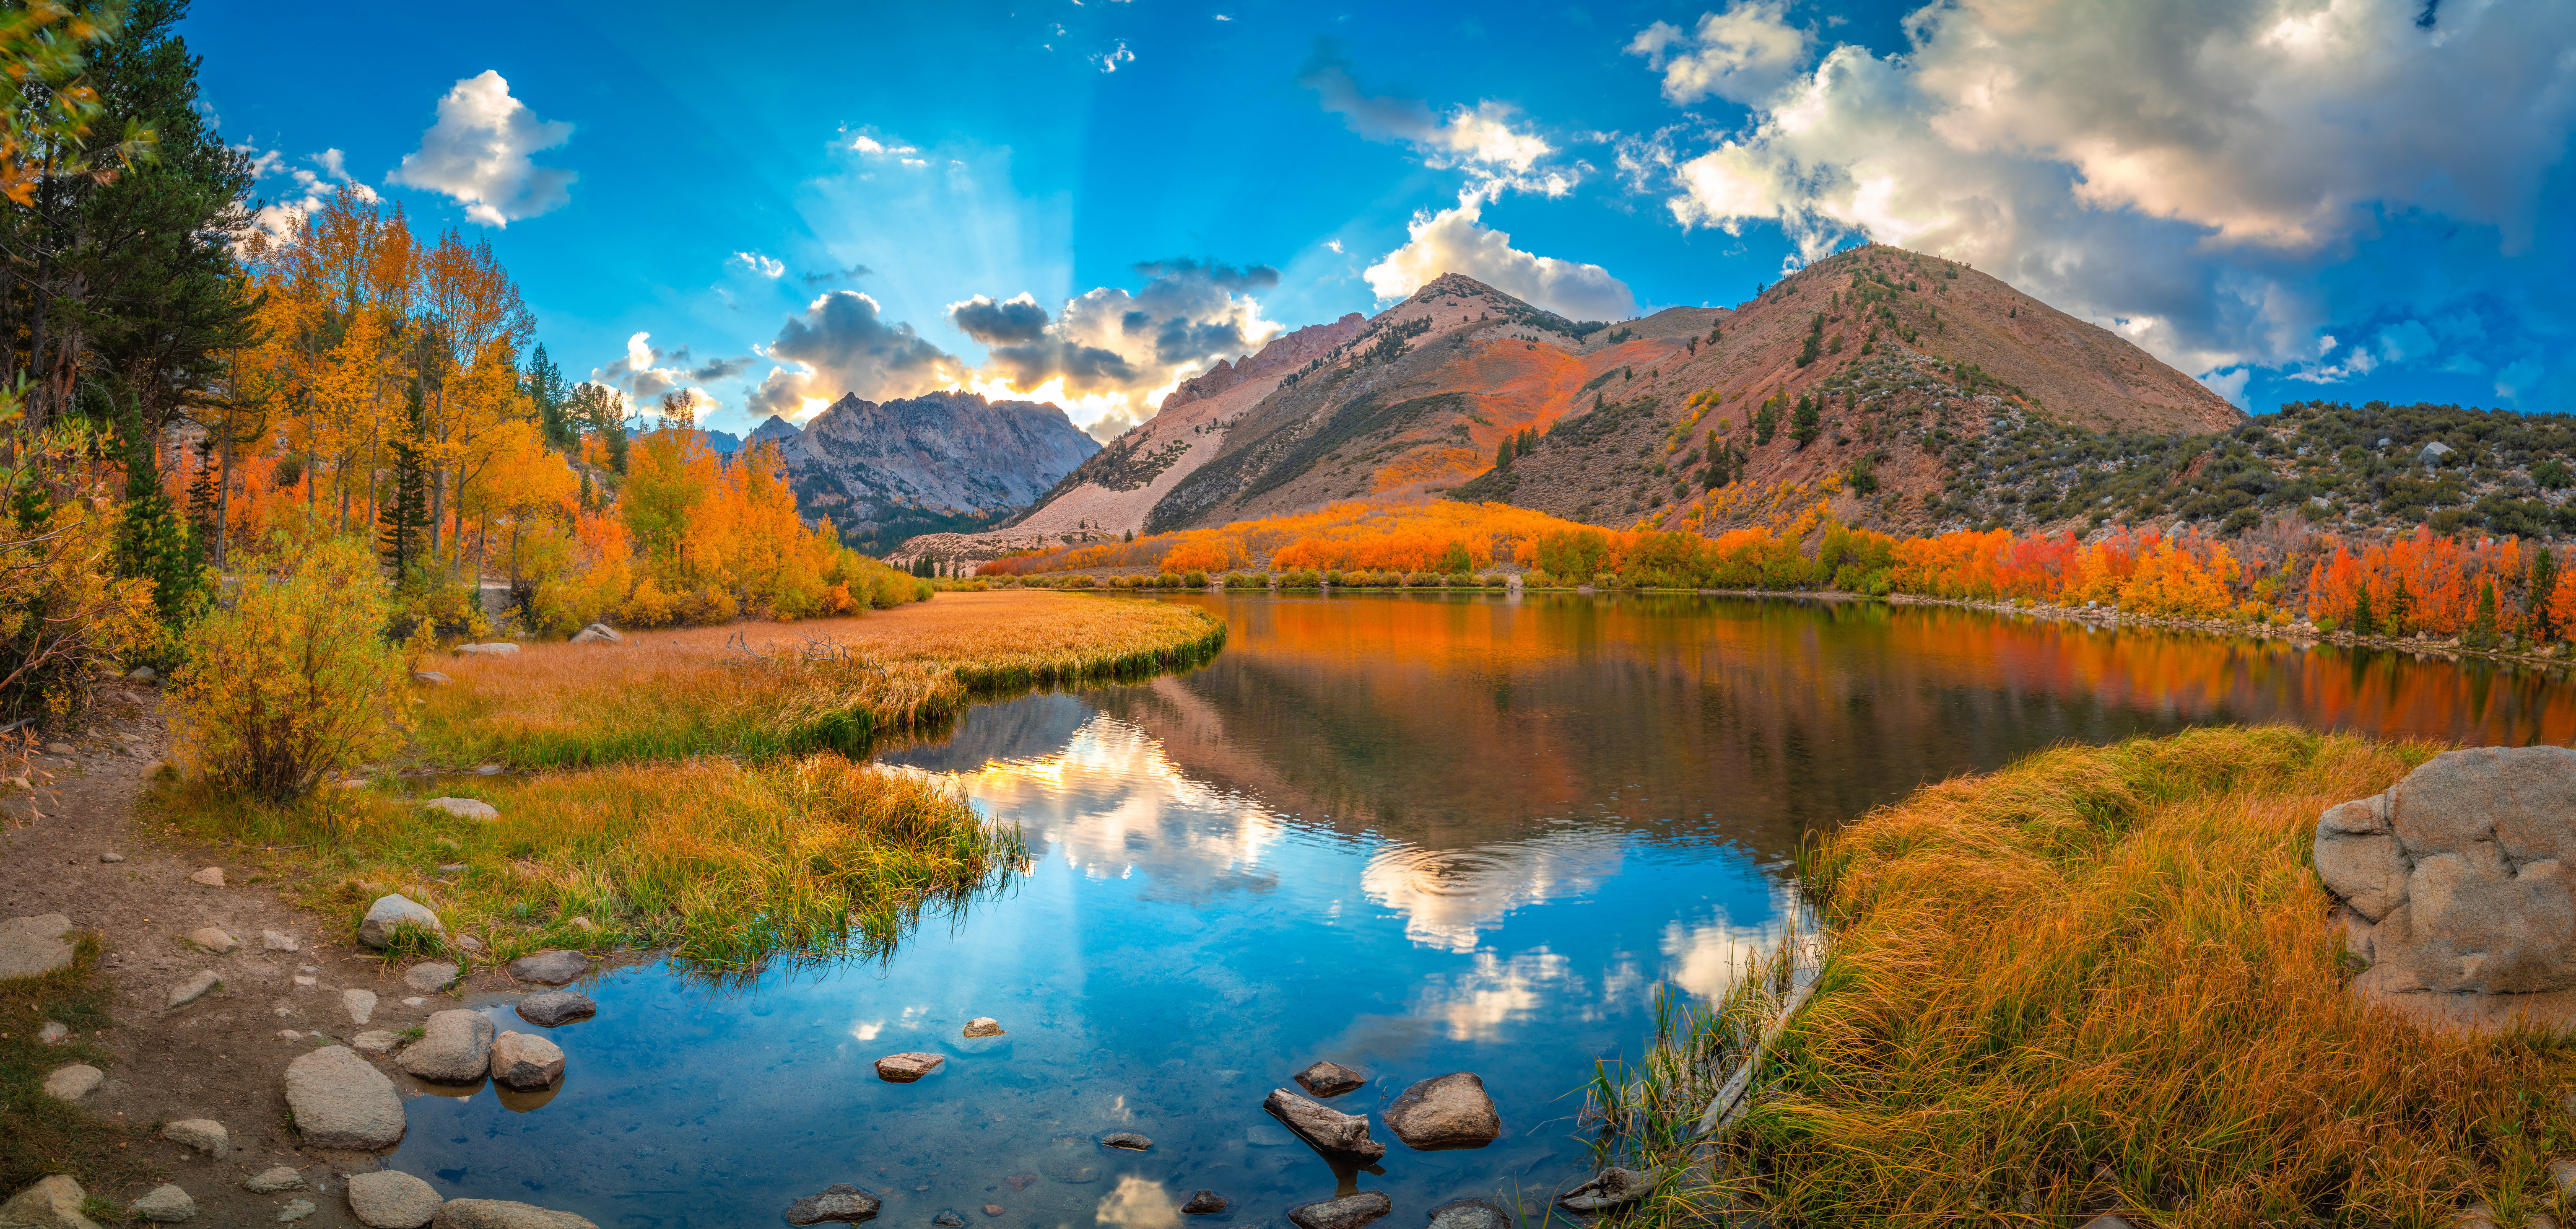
pixel 727 864
pixel 765 690
pixel 2102 979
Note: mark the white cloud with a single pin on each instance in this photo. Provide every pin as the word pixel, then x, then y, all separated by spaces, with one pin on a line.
pixel 1110 60
pixel 646 371
pixel 1483 140
pixel 312 187
pixel 2189 165
pixel 477 154
pixel 1457 241
pixel 766 266
pixel 841 343
pixel 2229 384
pixel 1744 54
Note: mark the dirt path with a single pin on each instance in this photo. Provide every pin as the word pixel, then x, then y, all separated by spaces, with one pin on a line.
pixel 224 1055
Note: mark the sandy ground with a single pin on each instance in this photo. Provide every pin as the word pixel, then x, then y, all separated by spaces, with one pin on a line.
pixel 223 1056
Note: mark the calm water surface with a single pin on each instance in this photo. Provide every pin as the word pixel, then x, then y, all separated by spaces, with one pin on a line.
pixel 1414 835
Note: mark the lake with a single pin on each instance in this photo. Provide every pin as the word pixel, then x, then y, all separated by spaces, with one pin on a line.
pixel 1410 834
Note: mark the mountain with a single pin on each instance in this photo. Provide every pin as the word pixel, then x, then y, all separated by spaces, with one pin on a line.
pixel 942 461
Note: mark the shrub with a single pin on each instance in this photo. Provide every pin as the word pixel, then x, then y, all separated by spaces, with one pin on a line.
pixel 294 681
pixel 1194 579
pixel 1496 580
pixel 1461 580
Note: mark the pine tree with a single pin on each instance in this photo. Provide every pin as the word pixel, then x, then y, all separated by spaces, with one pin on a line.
pixel 406 515
pixel 548 392
pixel 152 543
pixel 2362 623
pixel 2544 587
pixel 1807 423
pixel 1503 456
pixel 2482 627
pixel 201 492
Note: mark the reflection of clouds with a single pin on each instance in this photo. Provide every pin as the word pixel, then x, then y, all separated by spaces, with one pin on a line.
pixel 1138 1203
pixel 1447 895
pixel 1112 802
pixel 867 1030
pixel 1708 960
pixel 1474 1005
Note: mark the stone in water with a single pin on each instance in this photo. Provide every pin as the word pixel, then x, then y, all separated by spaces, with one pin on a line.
pixel 905 1068
pixel 1326 1079
pixel 552 967
pixel 983 1026
pixel 1348 1212
pixel 556 1007
pixel 840 1202
pixel 1327 1130
pixel 1451 1111
pixel 1205 1203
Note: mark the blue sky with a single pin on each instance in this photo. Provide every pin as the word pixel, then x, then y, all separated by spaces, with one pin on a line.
pixel 2352 200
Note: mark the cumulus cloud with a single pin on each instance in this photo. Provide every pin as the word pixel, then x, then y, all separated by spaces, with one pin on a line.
pixel 477 154
pixel 1483 140
pixel 1107 355
pixel 645 371
pixel 2201 168
pixel 1108 61
pixel 308 188
pixel 871 147
pixel 841 343
pixel 1458 241
pixel 1744 54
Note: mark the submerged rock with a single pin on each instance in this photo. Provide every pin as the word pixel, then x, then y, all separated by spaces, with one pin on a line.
pixel 1347 1212
pixel 1613 1187
pixel 504 1214
pixel 455 1048
pixel 948 1219
pixel 1451 1111
pixel 1326 1079
pixel 390 913
pixel 983 1026
pixel 1128 1140
pixel 1328 1130
pixel 905 1068
pixel 838 1202
pixel 392 1199
pixel 552 967
pixel 556 1007
pixel 1205 1203
pixel 341 1101
pixel 1470 1214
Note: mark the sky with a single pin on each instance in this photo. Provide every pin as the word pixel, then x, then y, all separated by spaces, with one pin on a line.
pixel 1086 201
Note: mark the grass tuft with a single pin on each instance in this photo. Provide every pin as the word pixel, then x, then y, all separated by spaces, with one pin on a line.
pixel 38 1134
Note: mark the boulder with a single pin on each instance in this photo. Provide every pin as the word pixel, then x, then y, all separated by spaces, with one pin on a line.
pixel 552 967
pixel 273 1179
pixel 1470 1214
pixel 50 1203
pixel 429 976
pixel 1326 1130
pixel 598 633
pixel 498 648
pixel 839 1202
pixel 360 1004
pixel 32 946
pixel 73 1082
pixel 278 941
pixel 905 1068
pixel 212 876
pixel 983 1026
pixel 392 1199
pixel 1451 1111
pixel 430 678
pixel 197 984
pixel 2462 876
pixel 143 674
pixel 213 939
pixel 556 1007
pixel 341 1101
pixel 1347 1212
pixel 464 808
pixel 1128 1140
pixel 455 1048
pixel 525 1060
pixel 165 1203
pixel 1611 1188
pixel 503 1214
pixel 1329 1079
pixel 203 1134
pixel 391 913
pixel 1205 1203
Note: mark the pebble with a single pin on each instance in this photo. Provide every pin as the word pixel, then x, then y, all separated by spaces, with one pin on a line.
pixel 288 1034
pixel 360 1004
pixel 213 939
pixel 983 1026
pixel 429 976
pixel 271 940
pixel 948 1219
pixel 392 1199
pixel 165 1202
pixel 414 1002
pixel 295 1210
pixel 555 1007
pixel 111 857
pixel 212 876
pixel 188 991
pixel 273 1179
pixel 992 1209
pixel 376 1041
pixel 838 1202
pixel 73 1082
pixel 905 1068
pixel 1205 1203
pixel 54 1033
pixel 304 979
pixel 203 1134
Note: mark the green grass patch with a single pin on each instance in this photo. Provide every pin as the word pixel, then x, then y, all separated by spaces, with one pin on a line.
pixel 38 1134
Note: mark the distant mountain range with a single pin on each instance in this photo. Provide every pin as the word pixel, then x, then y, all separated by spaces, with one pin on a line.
pixel 942 462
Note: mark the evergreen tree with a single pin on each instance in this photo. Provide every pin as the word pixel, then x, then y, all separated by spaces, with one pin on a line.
pixel 406 515
pixel 1503 455
pixel 2362 622
pixel 2544 587
pixel 550 394
pixel 1807 423
pixel 151 541
pixel 1766 421
pixel 201 492
pixel 2482 626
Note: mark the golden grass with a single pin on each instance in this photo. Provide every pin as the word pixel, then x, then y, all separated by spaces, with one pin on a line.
pixel 2102 978
pixel 725 863
pixel 770 688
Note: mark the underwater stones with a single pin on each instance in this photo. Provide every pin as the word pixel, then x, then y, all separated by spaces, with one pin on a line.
pixel 1327 1130
pixel 948 1219
pixel 552 967
pixel 73 1082
pixel 905 1068
pixel 503 1214
pixel 165 1203
pixel 393 912
pixel 983 1026
pixel 838 1202
pixel 1347 1212
pixel 1205 1203
pixel 392 1199
pixel 273 1179
pixel 454 1048
pixel 1613 1187
pixel 525 1060
pixel 555 1007
pixel 1128 1140
pixel 1470 1214
pixel 992 1209
pixel 341 1101
pixel 429 976
pixel 31 946
pixel 1326 1079
pixel 198 984
pixel 203 1134
pixel 463 808
pixel 1452 1111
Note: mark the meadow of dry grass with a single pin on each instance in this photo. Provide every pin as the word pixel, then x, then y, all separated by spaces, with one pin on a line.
pixel 784 688
pixel 2102 979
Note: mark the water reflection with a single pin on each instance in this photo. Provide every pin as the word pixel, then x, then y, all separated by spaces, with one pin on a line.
pixel 1410 835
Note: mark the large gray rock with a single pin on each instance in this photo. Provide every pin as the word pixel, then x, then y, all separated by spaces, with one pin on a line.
pixel 30 946
pixel 392 912
pixel 525 1060
pixel 2459 875
pixel 464 808
pixel 1470 1214
pixel 360 1004
pixel 503 1214
pixel 203 1134
pixel 1613 1187
pixel 498 648
pixel 455 1048
pixel 555 1007
pixel 840 1202
pixel 1451 1111
pixel 1326 1129
pixel 1347 1212
pixel 165 1203
pixel 392 1199
pixel 552 967
pixel 197 984
pixel 273 1179
pixel 341 1101
pixel 50 1203
pixel 429 976
pixel 1329 1079
pixel 598 633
